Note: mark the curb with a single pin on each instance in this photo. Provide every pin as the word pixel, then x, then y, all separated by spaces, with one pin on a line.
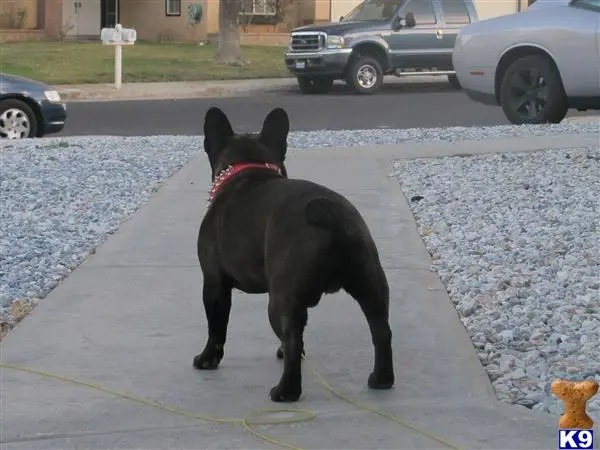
pixel 84 95
pixel 192 90
pixel 175 90
pixel 583 119
pixel 70 94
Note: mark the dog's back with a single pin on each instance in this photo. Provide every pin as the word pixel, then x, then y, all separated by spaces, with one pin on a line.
pixel 264 227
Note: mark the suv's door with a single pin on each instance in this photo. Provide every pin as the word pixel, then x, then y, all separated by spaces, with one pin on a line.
pixel 455 15
pixel 418 47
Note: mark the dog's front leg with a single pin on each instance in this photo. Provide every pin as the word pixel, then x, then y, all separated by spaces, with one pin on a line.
pixel 289 388
pixel 216 296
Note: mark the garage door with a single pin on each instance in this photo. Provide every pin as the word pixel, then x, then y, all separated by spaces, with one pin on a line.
pixel 341 8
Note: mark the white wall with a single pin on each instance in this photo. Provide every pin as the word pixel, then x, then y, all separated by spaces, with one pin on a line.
pixel 341 8
pixel 487 9
pixel 81 17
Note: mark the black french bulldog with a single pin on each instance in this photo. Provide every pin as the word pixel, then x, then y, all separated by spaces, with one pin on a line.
pixel 293 239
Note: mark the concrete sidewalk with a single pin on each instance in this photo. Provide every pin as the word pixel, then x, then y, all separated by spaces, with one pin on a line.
pixel 131 318
pixel 200 89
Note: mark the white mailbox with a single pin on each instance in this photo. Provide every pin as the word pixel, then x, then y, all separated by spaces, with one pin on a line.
pixel 118 36
pixel 128 35
pixel 107 35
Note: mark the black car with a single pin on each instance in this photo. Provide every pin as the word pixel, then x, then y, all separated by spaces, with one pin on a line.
pixel 29 108
pixel 378 38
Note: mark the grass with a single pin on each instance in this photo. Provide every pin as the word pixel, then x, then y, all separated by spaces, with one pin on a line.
pixel 92 62
pixel 16 312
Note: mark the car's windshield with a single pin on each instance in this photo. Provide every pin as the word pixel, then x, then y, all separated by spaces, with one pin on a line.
pixel 375 10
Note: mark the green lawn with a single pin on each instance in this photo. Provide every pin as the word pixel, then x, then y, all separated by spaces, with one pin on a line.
pixel 77 62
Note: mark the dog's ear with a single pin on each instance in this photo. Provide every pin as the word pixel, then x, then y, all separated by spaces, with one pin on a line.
pixel 217 131
pixel 275 131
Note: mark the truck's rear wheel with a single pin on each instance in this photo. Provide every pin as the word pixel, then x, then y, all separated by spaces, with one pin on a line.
pixel 364 75
pixel 315 84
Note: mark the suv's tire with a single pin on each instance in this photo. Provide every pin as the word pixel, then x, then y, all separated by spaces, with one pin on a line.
pixel 453 81
pixel 364 75
pixel 531 92
pixel 315 84
pixel 17 120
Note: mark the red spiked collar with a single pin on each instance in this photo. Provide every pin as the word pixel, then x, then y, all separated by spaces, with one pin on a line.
pixel 225 175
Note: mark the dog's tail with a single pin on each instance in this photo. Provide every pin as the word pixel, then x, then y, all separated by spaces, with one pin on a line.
pixel 326 214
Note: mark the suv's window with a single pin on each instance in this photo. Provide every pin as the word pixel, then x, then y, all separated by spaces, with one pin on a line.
pixel 588 4
pixel 375 10
pixel 422 10
pixel 455 12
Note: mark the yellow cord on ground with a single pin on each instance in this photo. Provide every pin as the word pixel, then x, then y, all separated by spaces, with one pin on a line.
pixel 255 417
pixel 366 407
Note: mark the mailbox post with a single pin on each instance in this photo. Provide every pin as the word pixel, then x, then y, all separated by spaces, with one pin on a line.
pixel 118 36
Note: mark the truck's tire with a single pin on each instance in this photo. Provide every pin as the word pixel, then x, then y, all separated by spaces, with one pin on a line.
pixel 315 84
pixel 453 81
pixel 364 75
pixel 531 92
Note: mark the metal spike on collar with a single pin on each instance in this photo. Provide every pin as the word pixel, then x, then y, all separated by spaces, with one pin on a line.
pixel 216 183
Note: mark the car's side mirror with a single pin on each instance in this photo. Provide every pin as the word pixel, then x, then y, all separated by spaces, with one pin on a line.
pixel 341 18
pixel 407 21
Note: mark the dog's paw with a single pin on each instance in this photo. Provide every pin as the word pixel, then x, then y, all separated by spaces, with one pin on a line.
pixel 279 394
pixel 377 381
pixel 205 361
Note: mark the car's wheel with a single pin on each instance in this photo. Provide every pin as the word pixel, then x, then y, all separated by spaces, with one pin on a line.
pixel 17 120
pixel 531 92
pixel 315 84
pixel 453 80
pixel 364 75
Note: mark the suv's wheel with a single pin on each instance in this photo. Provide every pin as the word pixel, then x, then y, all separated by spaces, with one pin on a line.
pixel 531 92
pixel 364 75
pixel 453 80
pixel 17 120
pixel 315 84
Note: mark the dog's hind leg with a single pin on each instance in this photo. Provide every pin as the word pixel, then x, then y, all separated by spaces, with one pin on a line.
pixel 276 325
pixel 288 323
pixel 275 321
pixel 371 291
pixel 216 295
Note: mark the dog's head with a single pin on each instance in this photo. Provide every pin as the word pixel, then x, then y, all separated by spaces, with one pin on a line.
pixel 225 148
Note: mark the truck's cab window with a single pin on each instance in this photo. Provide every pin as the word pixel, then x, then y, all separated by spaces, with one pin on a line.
pixel 455 12
pixel 422 10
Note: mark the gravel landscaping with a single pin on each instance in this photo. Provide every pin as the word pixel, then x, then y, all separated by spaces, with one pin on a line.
pixel 515 238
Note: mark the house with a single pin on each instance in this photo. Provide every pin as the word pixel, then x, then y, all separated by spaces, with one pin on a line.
pixel 22 19
pixel 262 21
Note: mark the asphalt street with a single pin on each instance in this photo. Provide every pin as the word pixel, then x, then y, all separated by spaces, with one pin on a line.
pixel 397 105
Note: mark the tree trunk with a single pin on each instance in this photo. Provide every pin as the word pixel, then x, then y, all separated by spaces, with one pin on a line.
pixel 229 50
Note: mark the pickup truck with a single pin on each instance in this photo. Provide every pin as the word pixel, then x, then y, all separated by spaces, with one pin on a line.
pixel 378 38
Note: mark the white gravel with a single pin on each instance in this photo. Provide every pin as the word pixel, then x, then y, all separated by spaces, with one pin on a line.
pixel 62 197
pixel 515 238
pixel 521 264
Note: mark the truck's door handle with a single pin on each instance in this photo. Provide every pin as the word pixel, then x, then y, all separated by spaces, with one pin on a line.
pixel 439 34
